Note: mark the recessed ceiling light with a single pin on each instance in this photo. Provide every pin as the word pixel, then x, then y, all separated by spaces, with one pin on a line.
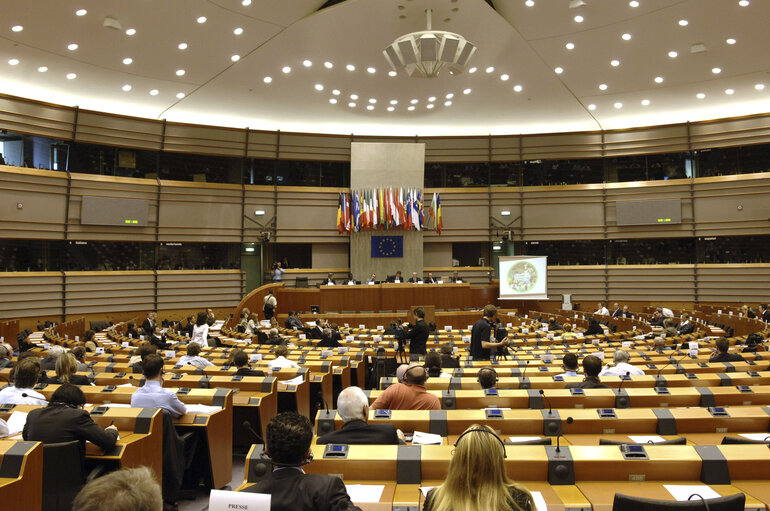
pixel 570 46
pixel 432 99
pixel 42 69
pixel 729 91
pixel 429 106
pixel 235 58
pixel 246 3
pixel 72 47
pixel 354 96
pixel 410 108
pixel 414 101
pixel 328 65
pixel 578 19
pixel 517 88
pixel 473 70
pixel 71 76
pixel 13 62
pixel 371 70
pixel 319 87
pixel 201 19
pixel 633 3
pixel 730 41
pixel 154 92
pixel 489 69
pixel 449 96
pixel 179 95
pixel 716 70
pixel 307 63
pixel 393 101
pixel 626 37
pixel 529 3
pixel 126 88
pixel 700 95
pixel 743 3
pixel 351 104
pixel 81 12
pixel 391 108
pixel 336 92
pixel 466 91
pixel 372 100
pixel 128 60
pixel 759 86
pixel 618 105
pixel 602 86
pixel 286 69
pixel 182 46
pixel 131 31
pixel 592 107
pixel 350 67
pixel 267 79
pixel 17 28
pixel 673 54
pixel 180 72
pixel 683 23
pixel 370 107
pixel 504 77
pixel 645 102
pixel 615 63
pixel 392 73
pixel 658 79
pixel 333 101
pixel 238 31
pixel 447 103
pixel 558 70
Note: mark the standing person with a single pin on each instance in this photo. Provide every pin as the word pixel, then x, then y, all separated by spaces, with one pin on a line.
pixel 200 330
pixel 270 304
pixel 417 333
pixel 481 332
pixel 278 272
pixel 148 326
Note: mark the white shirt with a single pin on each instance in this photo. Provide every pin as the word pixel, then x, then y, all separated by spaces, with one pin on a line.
pixel 621 369
pixel 13 396
pixel 280 362
pixel 667 312
pixel 187 360
pixel 199 334
pixel 603 311
pixel 3 428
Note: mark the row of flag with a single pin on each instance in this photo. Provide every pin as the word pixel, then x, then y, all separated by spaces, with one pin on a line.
pixel 385 209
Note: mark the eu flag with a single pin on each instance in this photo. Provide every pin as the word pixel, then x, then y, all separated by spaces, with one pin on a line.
pixel 387 246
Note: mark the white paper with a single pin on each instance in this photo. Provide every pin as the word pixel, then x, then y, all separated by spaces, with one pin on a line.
pixel 762 437
pixel 294 381
pixel 327 353
pixel 220 500
pixel 420 282
pixel 599 355
pixel 370 283
pixel 255 357
pixel 643 439
pixel 682 492
pixel 426 489
pixel 125 344
pixel 310 323
pixel 350 337
pixel 351 283
pixel 16 422
pixel 509 325
pixel 202 409
pixel 170 353
pixel 302 336
pixel 380 328
pixel 99 350
pixel 420 438
pixel 470 327
pixel 693 345
pixel 626 344
pixel 116 405
pixel 124 385
pixel 540 504
pixel 439 281
pixel 517 439
pixel 361 327
pixel 466 338
pixel 448 328
pixel 365 492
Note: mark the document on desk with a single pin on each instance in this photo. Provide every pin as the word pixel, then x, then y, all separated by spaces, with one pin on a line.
pixel 518 439
pixel 125 385
pixel 420 438
pixel 294 381
pixel 645 439
pixel 683 491
pixel 221 500
pixel 16 422
pixel 426 489
pixel 761 437
pixel 202 409
pixel 365 492
pixel 540 504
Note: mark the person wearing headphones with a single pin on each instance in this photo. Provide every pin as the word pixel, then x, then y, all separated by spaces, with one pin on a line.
pixel 287 444
pixel 477 479
pixel 410 395
pixel 353 408
pixel 487 378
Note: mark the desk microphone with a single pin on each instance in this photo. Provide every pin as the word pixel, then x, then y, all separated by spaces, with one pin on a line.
pixel 623 380
pixel 247 426
pixel 701 498
pixel 570 420
pixel 542 393
pixel 657 376
pixel 524 372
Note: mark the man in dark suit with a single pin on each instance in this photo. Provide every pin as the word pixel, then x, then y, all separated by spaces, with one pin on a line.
pixel 329 280
pixel 417 333
pixel 353 407
pixel 429 279
pixel 765 313
pixel 49 362
pixel 188 328
pixel 414 279
pixel 616 311
pixel 241 361
pixel 447 360
pixel 592 366
pixel 722 355
pixel 148 325
pixel 456 278
pixel 685 326
pixel 287 443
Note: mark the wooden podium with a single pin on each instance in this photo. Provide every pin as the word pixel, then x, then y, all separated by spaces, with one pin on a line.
pixel 430 313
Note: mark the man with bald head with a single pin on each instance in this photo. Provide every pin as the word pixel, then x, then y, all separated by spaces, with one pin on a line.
pixel 353 408
pixel 410 395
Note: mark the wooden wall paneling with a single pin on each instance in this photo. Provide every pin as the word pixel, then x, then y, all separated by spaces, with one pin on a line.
pixel 732 205
pixel 651 282
pixel 506 148
pixel 730 132
pixel 744 283
pixel 262 144
pixel 302 146
pixel 584 283
pixel 42 195
pixel 656 139
pixel 200 212
pixel 649 190
pixel 465 213
pixel 563 212
pixel 115 130
pixel 506 199
pixel 456 149
pixel 559 146
pixel 184 289
pixel 92 292
pixel 25 294
pixel 190 138
pixel 36 118
pixel 305 214
pixel 260 198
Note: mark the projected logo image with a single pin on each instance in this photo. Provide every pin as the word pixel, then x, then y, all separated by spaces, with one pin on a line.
pixel 522 277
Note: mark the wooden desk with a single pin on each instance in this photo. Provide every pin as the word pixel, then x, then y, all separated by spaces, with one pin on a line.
pixel 557 498
pixel 21 475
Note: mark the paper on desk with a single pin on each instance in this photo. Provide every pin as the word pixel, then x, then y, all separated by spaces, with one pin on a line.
pixel 221 500
pixel 117 405
pixel 643 439
pixel 294 381
pixel 202 409
pixel 426 489
pixel 540 504
pixel 124 385
pixel 16 422
pixel 517 439
pixel 365 492
pixel 756 436
pixel 420 438
pixel 683 491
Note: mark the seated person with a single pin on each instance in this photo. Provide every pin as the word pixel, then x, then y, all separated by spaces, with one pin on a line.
pixel 350 280
pixel 293 321
pixel 287 443
pixel 64 420
pixel 433 365
pixel 592 365
pixel 130 489
pixel 554 325
pixel 568 334
pixel 66 367
pixel 432 328
pixel 626 313
pixel 26 373
pixel 252 326
pixel 753 343
pixel 447 360
pixel 329 280
pixel 400 370
pixel 132 332
pixel 353 407
pixel 137 359
pixel 274 337
pixel 193 358
pixel 240 359
pixel 429 279
pixel 594 328
pixel 79 352
pixel 456 278
pixel 5 357
pixel 685 326
pixel 317 331
pixel 570 365
pixel 602 310
pixel 657 319
pixel 397 278
pixel 372 279
pixel 477 478
pixel 411 395
pixel 414 279
pixel 152 394
pixel 720 355
pixel 187 330
pixel 487 378
pixel 669 330
pixel 280 360
pixel 158 339
pixel 659 344
pixel 620 366
pixel 328 340
pixel 49 362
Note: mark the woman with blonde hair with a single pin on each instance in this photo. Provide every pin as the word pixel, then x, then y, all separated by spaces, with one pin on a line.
pixel 476 480
pixel 66 367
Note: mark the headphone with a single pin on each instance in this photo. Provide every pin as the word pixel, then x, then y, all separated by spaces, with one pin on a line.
pixel 478 378
pixel 263 456
pixel 484 430
pixel 406 373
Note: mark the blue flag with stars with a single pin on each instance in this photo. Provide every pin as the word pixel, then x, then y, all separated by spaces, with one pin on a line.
pixel 387 246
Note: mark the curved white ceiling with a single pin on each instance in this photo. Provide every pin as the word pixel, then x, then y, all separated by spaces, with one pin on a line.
pixel 526 43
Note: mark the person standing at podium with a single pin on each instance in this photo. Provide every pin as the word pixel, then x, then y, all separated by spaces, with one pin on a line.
pixel 417 334
pixel 481 335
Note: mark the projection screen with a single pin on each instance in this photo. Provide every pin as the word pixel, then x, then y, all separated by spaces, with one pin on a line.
pixel 523 277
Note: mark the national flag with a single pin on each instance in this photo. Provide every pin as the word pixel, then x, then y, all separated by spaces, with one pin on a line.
pixel 375 210
pixel 340 222
pixel 347 212
pixel 439 222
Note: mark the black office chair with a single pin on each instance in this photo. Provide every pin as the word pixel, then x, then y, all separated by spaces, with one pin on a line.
pixel 674 441
pixel 735 502
pixel 64 474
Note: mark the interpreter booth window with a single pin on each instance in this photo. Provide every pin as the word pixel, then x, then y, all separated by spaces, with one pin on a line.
pixel 466 174
pixel 260 171
pixel 563 172
pixel 505 173
pixel 290 255
pixel 718 162
pixel 22 255
pixel 199 256
pixel 754 158
pixel 298 173
pixel 434 175
pixel 108 256
pixel 733 249
pixel 200 168
pixel 651 167
pixel 651 251
pixel 471 254
pixel 569 252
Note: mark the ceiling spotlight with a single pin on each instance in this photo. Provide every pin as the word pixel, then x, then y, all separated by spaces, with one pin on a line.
pixel 246 3
pixel 759 86
pixel 372 100
pixel 131 31
pixel 182 46
pixel 633 3
pixel 517 88
pixel 700 95
pixel 432 99
pixel 179 95
pixel 319 87
pixel 307 63
pixel 267 79
pixel 393 102
pixel 473 70
pixel 72 47
pixel 354 96
pixel 658 79
pixel 489 69
pixel 466 91
pixel 570 46
pixel 447 103
pixel 391 108
pixel 683 23
pixel 558 70
pixel 592 107
pixel 729 92
pixel 424 54
pixel 333 101
pixel 351 104
pixel 71 76
pixel 286 69
pixel 429 106
pixel 238 31
pixel 730 41
pixel 154 92
pixel 410 108
pixel 414 101
pixel 504 77
pixel 645 102
pixel 13 62
pixel 602 86
pixel 716 70
pixel 328 65
pixel 81 12
pixel 450 95
pixel 371 70
pixel 626 37
pixel 126 88
pixel 618 105
pixel 336 92
pixel 615 63
pixel 743 3
pixel 350 67
pixel 673 54
pixel 235 58
pixel 180 72
pixel 529 3
pixel 17 28
pixel 128 61
pixel 578 19
pixel 370 107
pixel 201 19
pixel 42 69
pixel 392 73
